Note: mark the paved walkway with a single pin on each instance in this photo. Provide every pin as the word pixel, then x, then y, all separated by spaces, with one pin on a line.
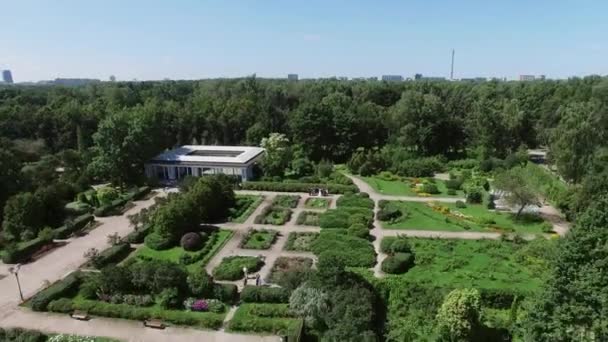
pixel 123 330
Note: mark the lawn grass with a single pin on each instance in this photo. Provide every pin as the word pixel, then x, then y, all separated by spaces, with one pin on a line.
pixel 404 187
pixel 421 216
pixel 317 203
pixel 259 239
pixel 481 264
pixel 308 218
pixel 246 205
pixel 300 241
pixel 174 254
pixel 264 318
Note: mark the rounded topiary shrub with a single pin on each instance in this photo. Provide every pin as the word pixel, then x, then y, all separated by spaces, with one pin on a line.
pixel 460 204
pixel 430 188
pixel 191 241
pixel 398 263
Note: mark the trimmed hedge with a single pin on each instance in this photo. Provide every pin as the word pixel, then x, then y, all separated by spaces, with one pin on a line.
pixel 355 252
pixel 265 294
pixel 199 319
pixel 59 289
pixel 298 187
pixel 112 255
pixel 141 192
pixel 110 209
pixel 77 224
pixel 22 335
pixel 138 236
pixel 24 251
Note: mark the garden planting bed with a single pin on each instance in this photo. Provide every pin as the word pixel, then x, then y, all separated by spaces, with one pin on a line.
pixel 405 186
pixel 259 239
pixel 287 264
pixel 274 215
pixel 454 217
pixel 245 206
pixel 231 268
pixel 286 201
pixel 317 203
pixel 264 318
pixel 300 241
pixel 308 218
pixel 194 260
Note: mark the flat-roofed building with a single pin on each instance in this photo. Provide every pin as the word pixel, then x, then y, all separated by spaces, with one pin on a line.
pixel 201 160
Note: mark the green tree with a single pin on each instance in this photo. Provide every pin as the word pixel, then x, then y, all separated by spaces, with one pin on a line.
pixel 573 306
pixel 459 316
pixel 518 192
pixel 22 219
pixel 277 154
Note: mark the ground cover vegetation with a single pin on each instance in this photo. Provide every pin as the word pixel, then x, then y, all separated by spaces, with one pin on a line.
pixel 274 214
pixel 317 203
pixel 245 206
pixel 55 142
pixel 308 218
pixel 22 335
pixel 300 241
pixel 231 268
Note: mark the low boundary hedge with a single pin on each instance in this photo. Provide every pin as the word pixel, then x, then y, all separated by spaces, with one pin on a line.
pixel 138 236
pixel 112 255
pixel 59 289
pixel 298 187
pixel 24 251
pixel 206 320
pixel 77 224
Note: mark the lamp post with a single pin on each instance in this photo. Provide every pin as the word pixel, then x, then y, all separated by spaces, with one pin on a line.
pixel 15 270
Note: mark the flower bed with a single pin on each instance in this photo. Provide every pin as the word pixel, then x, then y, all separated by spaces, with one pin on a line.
pixel 259 239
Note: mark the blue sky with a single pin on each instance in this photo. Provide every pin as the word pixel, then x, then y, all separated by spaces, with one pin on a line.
pixel 191 39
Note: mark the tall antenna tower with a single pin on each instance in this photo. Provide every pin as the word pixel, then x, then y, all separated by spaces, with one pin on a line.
pixel 452 68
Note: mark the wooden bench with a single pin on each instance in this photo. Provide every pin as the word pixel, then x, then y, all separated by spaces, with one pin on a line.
pixel 80 315
pixel 154 323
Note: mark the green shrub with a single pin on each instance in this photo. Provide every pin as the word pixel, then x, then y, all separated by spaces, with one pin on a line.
pixel 341 217
pixel 355 252
pixel 286 201
pixel 227 293
pixel 61 305
pixel 389 213
pixel 157 241
pixel 358 230
pixel 398 263
pixel 111 255
pixel 451 192
pixel 474 195
pixel 394 244
pixel 169 298
pixel 460 204
pixel 138 236
pixel 430 188
pixel 21 335
pixel 75 225
pixel 454 184
pixel 231 268
pixel 23 251
pixel 297 187
pixel 191 241
pixel 264 294
pixel 59 289
pixel 355 200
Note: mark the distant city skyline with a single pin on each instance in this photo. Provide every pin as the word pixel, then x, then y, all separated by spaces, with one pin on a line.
pixel 189 39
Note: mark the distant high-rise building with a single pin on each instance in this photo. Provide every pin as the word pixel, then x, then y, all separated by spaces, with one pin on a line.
pixel 527 77
pixel 392 78
pixel 112 78
pixel 418 76
pixel 7 76
pixel 292 77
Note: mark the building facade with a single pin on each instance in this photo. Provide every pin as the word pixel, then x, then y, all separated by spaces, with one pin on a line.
pixel 292 77
pixel 392 78
pixel 7 76
pixel 201 160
